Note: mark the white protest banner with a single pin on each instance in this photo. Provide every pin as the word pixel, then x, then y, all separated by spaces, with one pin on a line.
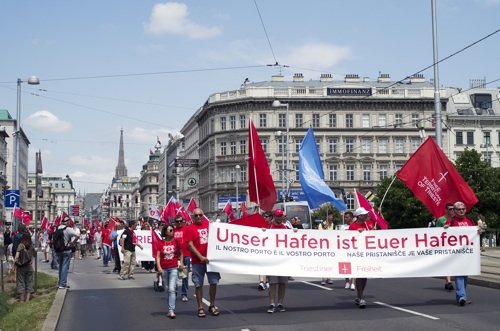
pixel 422 252
pixel 145 240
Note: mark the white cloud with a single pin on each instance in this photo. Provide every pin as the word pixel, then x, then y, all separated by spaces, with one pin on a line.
pixel 316 55
pixel 149 136
pixel 46 121
pixel 172 18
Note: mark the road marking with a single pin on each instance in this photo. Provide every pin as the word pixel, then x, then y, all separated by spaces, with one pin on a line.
pixel 406 310
pixel 320 286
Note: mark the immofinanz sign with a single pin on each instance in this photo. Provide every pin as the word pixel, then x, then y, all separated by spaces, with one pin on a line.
pixel 348 91
pixel 186 163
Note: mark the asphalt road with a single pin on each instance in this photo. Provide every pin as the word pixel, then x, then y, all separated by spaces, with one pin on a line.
pixel 97 300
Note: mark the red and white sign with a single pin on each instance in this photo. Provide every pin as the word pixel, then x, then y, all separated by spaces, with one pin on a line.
pixel 422 252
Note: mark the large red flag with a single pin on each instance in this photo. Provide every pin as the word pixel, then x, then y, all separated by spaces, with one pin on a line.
pixel 260 182
pixel 374 214
pixel 434 179
pixel 192 205
pixel 228 209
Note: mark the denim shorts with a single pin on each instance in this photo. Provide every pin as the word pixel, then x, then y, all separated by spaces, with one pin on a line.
pixel 199 272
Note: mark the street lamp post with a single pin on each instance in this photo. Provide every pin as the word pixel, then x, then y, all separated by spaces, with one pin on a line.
pixel 237 167
pixel 278 104
pixel 33 80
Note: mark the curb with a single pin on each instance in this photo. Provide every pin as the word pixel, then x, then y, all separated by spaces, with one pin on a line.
pixel 52 319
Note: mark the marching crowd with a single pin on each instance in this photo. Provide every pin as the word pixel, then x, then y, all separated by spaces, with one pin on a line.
pixel 182 248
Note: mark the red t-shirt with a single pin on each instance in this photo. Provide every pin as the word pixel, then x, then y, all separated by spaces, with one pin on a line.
pixel 179 234
pixel 198 234
pixel 367 225
pixel 456 221
pixel 106 239
pixel 276 226
pixel 168 254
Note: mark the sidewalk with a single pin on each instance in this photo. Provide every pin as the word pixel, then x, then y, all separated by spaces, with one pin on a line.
pixel 490 269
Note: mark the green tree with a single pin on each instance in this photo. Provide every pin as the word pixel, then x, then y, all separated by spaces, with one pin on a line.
pixel 320 214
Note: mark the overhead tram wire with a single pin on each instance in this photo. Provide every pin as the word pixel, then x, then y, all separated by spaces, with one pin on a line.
pixel 265 32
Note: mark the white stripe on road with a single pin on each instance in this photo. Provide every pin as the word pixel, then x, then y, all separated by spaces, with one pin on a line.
pixel 406 310
pixel 320 286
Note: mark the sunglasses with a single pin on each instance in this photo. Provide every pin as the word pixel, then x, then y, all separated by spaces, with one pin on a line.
pixel 178 221
pixel 450 208
pixel 459 209
pixel 197 215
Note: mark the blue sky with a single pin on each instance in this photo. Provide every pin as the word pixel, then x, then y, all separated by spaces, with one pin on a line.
pixel 146 66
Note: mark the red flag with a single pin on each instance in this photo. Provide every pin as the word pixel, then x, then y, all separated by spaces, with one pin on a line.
pixel 155 242
pixel 181 211
pixel 57 221
pixel 434 179
pixel 18 212
pixel 374 214
pixel 26 218
pixel 170 210
pixel 228 209
pixel 260 182
pixel 192 205
pixel 86 223
pixel 254 220
pixel 244 211
pixel 111 224
pixel 44 223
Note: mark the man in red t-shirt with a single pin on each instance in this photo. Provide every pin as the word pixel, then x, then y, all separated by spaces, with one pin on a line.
pixel 180 234
pixel 459 219
pixel 197 241
pixel 362 223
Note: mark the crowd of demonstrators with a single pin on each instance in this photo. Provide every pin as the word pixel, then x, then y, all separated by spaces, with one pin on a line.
pixel 128 242
pixel 179 234
pixel 459 219
pixel 197 239
pixel 169 260
pixel 450 212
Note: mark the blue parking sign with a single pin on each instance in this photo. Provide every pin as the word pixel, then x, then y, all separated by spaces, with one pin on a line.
pixel 12 198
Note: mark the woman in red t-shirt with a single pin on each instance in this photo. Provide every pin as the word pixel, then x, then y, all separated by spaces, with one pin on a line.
pixel 169 261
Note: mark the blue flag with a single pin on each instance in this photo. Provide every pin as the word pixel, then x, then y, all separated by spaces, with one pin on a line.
pixel 312 177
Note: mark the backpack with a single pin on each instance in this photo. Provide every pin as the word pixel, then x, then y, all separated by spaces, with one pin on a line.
pixel 25 256
pixel 58 240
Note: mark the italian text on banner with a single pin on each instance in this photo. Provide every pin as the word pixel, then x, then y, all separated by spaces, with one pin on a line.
pixel 422 252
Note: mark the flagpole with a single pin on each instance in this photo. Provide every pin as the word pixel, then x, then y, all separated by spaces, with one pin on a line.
pixel 388 188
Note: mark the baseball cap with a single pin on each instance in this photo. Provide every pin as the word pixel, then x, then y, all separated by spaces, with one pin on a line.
pixel 278 212
pixel 360 211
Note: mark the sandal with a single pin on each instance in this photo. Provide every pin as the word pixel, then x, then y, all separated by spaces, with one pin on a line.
pixel 201 312
pixel 214 310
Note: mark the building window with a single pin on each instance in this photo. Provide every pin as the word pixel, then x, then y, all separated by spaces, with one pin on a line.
pixel 415 118
pixel 415 142
pixel 365 121
pixel 349 145
pixel 367 172
pixel 332 120
pixel 349 172
pixel 366 146
pixel 383 171
pixel 349 198
pixel 243 173
pixel 487 138
pixel 470 138
pixel 382 145
pixel 399 145
pixel 382 120
pixel 459 138
pixel 264 142
pixel 318 144
pixel 223 150
pixel 332 145
pixel 398 122
pixel 333 172
pixel 243 146
pixel 282 120
pixel 263 120
pixel 281 144
pixel 299 120
pixel 315 120
pixel 349 120
pixel 298 143
pixel 232 147
pixel 223 123
pixel 232 122
pixel 30 194
pixel 243 121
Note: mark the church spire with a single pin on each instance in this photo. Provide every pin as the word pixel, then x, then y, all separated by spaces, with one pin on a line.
pixel 121 169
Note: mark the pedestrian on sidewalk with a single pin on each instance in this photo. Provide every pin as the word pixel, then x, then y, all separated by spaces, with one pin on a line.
pixel 64 257
pixel 481 226
pixel 169 261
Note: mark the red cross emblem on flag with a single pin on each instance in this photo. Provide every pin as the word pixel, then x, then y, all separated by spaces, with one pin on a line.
pixel 345 268
pixel 151 213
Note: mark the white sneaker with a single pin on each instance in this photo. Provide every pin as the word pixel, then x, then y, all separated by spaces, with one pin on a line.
pixel 323 282
pixel 353 287
pixel 184 298
pixel 362 303
pixel 347 285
